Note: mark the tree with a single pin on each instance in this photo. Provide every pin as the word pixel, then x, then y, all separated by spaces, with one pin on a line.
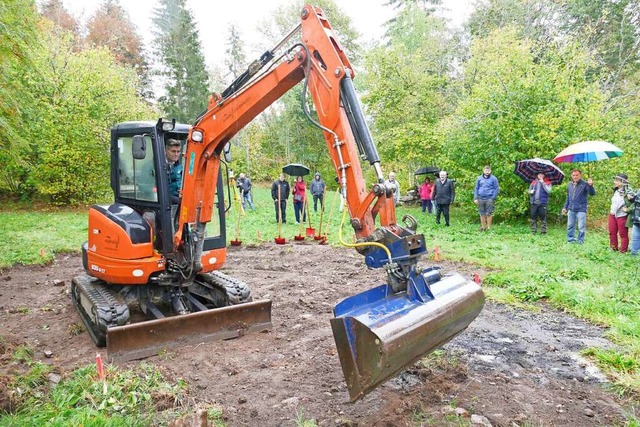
pixel 406 87
pixel 79 95
pixel 609 31
pixel 54 11
pixel 522 103
pixel 287 134
pixel 182 66
pixel 236 59
pixel 18 36
pixel 111 27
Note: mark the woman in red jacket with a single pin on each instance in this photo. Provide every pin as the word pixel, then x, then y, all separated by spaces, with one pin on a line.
pixel 299 199
pixel 425 194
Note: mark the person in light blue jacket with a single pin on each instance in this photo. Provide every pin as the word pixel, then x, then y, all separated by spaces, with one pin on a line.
pixel 484 195
pixel 575 207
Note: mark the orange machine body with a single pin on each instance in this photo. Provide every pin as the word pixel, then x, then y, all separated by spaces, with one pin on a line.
pixel 120 247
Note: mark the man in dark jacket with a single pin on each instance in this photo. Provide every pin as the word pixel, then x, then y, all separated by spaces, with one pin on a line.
pixel 317 191
pixel 280 194
pixel 244 185
pixel 575 207
pixel 444 193
pixel 173 151
pixel 539 191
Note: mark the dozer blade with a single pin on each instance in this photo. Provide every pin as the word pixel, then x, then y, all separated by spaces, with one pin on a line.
pixel 144 339
pixel 378 333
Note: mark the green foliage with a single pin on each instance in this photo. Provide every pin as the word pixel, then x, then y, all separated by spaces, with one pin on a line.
pixel 18 33
pixel 111 27
pixel 302 421
pixel 64 155
pixel 521 103
pixel 129 398
pixel 619 361
pixel 38 395
pixel 406 84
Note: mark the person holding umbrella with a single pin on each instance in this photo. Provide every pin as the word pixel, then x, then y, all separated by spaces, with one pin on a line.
pixel 575 207
pixel 425 194
pixel 299 199
pixel 539 191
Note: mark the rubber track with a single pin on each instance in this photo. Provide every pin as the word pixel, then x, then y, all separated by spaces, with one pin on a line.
pixel 237 291
pixel 111 308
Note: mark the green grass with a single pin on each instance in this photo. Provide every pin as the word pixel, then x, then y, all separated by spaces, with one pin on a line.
pixel 131 397
pixel 588 281
pixel 36 237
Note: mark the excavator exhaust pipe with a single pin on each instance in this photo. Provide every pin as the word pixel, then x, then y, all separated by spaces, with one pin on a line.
pixel 378 333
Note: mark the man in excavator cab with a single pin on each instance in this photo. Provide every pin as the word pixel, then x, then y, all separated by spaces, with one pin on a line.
pixel 173 150
pixel 377 332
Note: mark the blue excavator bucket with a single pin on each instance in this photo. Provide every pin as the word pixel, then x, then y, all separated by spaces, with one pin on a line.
pixel 379 332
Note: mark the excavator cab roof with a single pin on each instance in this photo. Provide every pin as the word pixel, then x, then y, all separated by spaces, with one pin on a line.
pixel 124 127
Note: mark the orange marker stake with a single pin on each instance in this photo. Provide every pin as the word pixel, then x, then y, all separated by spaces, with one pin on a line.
pixel 101 374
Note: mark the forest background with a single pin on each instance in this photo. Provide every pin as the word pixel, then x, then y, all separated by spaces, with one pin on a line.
pixel 521 79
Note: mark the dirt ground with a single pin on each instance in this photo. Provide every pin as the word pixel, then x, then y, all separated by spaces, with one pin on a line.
pixel 511 367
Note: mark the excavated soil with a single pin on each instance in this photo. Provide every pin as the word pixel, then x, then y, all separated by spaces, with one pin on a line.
pixel 511 367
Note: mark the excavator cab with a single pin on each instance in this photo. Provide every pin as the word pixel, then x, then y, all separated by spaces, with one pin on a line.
pixel 140 179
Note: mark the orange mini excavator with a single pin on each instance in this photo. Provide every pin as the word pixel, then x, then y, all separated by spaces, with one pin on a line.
pixel 152 272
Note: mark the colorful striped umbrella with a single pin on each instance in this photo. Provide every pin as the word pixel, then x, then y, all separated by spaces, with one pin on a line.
pixel 588 151
pixel 530 168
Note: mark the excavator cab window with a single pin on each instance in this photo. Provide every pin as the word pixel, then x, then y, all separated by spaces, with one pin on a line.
pixel 137 176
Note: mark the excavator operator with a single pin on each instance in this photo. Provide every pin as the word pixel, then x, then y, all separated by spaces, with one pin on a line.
pixel 173 149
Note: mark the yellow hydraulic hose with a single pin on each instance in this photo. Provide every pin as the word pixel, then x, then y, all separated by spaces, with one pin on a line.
pixel 357 245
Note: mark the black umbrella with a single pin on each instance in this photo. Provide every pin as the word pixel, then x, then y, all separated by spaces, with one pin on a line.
pixel 530 168
pixel 427 170
pixel 295 169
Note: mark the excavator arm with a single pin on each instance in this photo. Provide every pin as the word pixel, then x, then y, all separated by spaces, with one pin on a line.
pixel 379 331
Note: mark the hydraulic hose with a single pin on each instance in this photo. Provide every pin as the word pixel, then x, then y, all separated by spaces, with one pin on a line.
pixel 360 244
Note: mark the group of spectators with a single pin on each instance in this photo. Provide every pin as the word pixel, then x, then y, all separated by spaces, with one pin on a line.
pixel 624 212
pixel 442 193
pixel 438 196
pixel 280 191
